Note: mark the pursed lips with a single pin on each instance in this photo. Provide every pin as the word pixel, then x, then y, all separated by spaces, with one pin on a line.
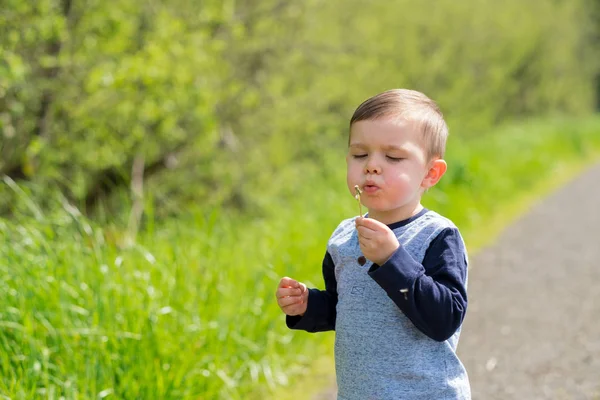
pixel 370 187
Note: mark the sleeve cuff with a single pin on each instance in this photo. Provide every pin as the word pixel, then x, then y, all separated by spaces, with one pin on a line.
pixel 295 321
pixel 397 275
pixel 306 322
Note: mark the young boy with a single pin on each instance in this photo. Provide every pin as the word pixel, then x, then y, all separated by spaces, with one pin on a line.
pixel 396 279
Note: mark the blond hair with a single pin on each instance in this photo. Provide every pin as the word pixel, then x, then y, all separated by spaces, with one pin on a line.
pixel 408 105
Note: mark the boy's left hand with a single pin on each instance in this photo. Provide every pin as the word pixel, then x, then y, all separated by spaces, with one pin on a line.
pixel 376 240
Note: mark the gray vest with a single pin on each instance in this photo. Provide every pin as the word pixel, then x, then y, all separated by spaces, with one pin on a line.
pixel 379 353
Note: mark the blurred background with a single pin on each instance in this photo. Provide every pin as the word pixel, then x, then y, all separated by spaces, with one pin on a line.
pixel 164 163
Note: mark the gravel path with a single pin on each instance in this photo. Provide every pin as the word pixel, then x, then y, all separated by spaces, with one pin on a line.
pixel 533 326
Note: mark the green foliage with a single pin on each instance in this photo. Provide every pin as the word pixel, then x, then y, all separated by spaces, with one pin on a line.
pixel 107 83
pixel 216 96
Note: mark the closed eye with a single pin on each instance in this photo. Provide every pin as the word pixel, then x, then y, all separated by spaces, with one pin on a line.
pixel 359 155
pixel 394 159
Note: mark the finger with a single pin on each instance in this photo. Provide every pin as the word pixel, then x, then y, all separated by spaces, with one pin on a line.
pixel 294 309
pixel 288 282
pixel 372 224
pixel 366 250
pixel 365 233
pixel 367 243
pixel 365 227
pixel 288 301
pixel 285 292
pixel 303 288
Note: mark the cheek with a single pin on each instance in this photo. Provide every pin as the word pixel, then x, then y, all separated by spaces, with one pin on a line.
pixel 402 182
pixel 408 175
pixel 351 177
pixel 353 170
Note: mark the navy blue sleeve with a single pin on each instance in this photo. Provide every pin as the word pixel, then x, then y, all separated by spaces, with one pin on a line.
pixel 432 295
pixel 321 308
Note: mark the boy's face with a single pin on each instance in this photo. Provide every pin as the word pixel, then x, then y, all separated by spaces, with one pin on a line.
pixel 387 160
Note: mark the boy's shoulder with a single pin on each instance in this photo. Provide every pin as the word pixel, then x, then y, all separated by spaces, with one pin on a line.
pixel 429 226
pixel 345 227
pixel 433 218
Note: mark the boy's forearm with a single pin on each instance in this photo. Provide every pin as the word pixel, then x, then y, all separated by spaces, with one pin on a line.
pixel 319 315
pixel 433 297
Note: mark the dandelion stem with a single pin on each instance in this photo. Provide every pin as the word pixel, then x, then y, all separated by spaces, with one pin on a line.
pixel 357 197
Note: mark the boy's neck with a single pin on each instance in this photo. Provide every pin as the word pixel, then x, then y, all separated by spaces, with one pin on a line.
pixel 397 215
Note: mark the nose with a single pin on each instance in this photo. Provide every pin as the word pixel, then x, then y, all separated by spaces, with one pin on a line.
pixel 372 167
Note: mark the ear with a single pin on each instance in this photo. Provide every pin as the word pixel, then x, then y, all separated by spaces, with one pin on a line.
pixel 437 169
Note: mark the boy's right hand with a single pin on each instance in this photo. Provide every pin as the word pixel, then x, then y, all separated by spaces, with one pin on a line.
pixel 292 296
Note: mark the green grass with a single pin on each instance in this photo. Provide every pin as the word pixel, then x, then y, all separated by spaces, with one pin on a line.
pixel 189 311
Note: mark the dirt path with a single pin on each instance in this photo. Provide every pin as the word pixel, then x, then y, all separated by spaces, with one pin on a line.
pixel 533 326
